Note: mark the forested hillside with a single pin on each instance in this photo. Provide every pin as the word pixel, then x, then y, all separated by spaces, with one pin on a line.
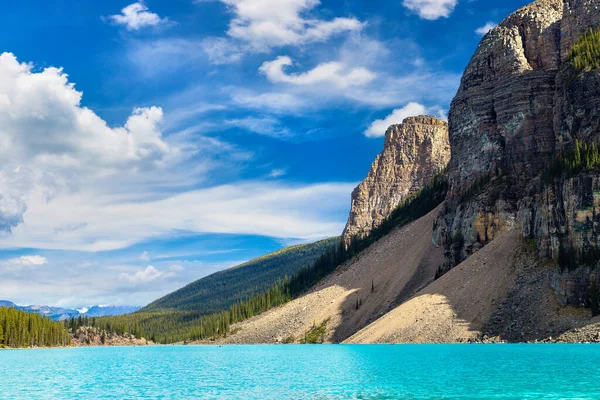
pixel 23 329
pixel 170 326
pixel 219 291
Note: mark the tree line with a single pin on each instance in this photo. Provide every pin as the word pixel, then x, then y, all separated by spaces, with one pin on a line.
pixel 23 329
pixel 172 326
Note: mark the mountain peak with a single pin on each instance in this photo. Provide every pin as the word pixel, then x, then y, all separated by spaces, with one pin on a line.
pixel 414 152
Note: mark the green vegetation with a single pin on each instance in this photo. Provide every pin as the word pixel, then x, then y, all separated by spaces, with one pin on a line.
pixel 170 326
pixel 573 162
pixel 219 291
pixel 316 334
pixel 23 329
pixel 585 54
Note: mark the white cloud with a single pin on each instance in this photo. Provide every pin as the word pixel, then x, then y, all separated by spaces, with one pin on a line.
pixel 148 275
pixel 23 262
pixel 277 102
pixel 256 208
pixel 264 24
pixel 221 51
pixel 333 73
pixel 379 127
pixel 431 9
pixel 50 144
pixel 486 28
pixel 277 173
pixel 33 260
pixel 145 256
pixel 267 126
pixel 137 16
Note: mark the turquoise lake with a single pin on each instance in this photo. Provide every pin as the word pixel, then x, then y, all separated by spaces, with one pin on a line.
pixel 304 372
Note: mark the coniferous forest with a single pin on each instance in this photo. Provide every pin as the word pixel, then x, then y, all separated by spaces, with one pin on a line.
pixel 217 292
pixel 23 329
pixel 585 54
pixel 172 326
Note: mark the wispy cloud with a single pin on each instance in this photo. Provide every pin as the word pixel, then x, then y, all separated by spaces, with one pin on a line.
pixel 144 277
pixel 267 126
pixel 486 28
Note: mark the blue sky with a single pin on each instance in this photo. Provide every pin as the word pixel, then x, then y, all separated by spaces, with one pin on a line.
pixel 145 145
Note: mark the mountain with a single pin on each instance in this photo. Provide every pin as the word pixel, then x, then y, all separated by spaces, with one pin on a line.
pixel 524 129
pixel 218 291
pixel 414 152
pixel 503 245
pixel 517 239
pixel 61 314
pixel 102 311
pixel 54 313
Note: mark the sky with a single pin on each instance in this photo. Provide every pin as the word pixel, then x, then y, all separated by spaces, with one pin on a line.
pixel 147 144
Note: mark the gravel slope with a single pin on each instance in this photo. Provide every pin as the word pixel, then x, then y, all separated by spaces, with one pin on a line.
pixel 398 265
pixel 455 307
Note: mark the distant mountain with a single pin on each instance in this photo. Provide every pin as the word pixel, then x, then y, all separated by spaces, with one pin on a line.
pixel 61 314
pixel 103 311
pixel 218 291
pixel 54 313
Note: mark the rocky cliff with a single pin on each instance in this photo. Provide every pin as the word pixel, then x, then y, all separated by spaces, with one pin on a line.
pixel 522 104
pixel 414 152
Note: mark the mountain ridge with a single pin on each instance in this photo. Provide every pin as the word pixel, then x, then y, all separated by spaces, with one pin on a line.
pixel 61 313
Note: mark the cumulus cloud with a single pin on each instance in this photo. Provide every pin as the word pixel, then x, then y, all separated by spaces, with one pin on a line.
pixel 50 144
pixel 379 127
pixel 137 16
pixel 431 9
pixel 486 28
pixel 332 73
pixel 71 182
pixel 264 24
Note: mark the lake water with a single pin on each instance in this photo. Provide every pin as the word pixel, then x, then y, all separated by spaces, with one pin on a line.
pixel 304 372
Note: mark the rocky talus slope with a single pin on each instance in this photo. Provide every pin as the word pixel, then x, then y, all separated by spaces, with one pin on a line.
pixel 414 152
pixel 358 293
pixel 500 294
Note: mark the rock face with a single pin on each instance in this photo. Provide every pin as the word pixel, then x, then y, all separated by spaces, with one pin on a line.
pixel 520 104
pixel 89 336
pixel 414 152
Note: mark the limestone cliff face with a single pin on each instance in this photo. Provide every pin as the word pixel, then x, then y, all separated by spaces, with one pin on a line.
pixel 414 152
pixel 520 104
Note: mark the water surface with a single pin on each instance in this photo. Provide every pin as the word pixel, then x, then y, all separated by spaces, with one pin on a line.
pixel 304 372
